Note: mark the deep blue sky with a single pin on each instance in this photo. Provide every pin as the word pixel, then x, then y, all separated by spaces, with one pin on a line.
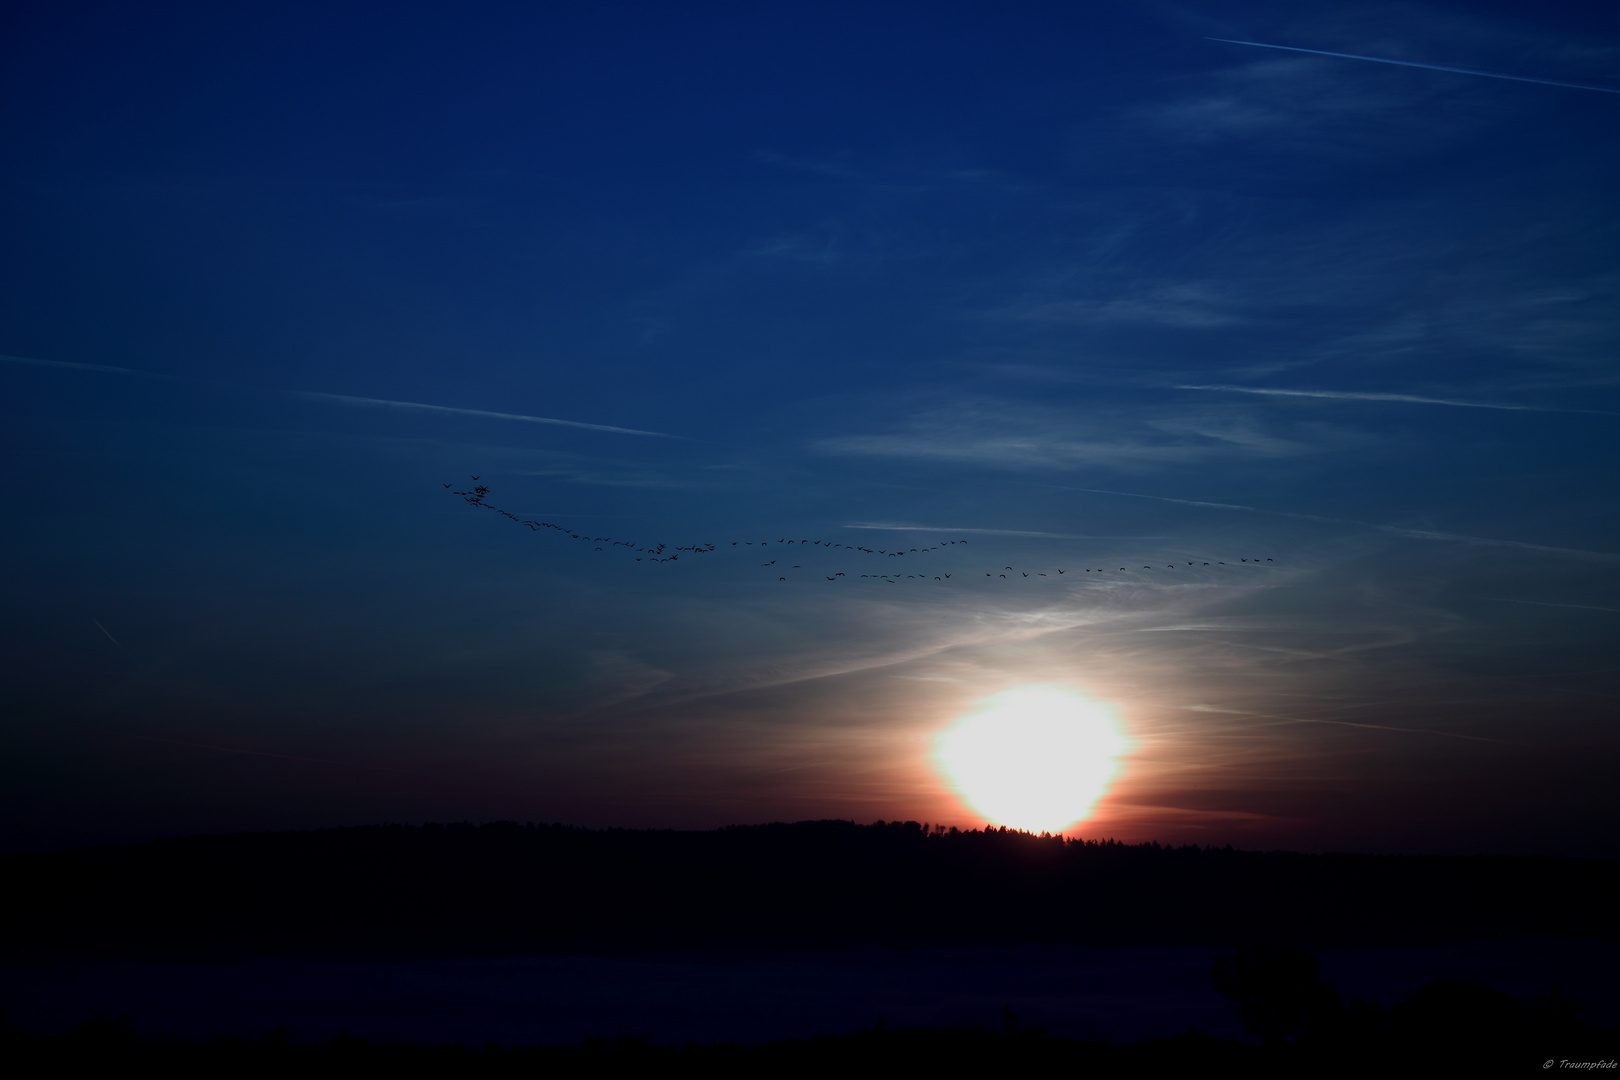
pixel 1012 274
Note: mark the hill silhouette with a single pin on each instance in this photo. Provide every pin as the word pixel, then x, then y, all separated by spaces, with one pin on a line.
pixel 394 891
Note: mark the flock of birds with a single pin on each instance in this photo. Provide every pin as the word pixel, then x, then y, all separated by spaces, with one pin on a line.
pixel 653 554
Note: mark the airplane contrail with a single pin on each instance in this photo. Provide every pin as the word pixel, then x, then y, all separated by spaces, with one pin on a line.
pixel 419 407
pixel 1426 67
pixel 1355 395
pixel 348 400
pixel 110 638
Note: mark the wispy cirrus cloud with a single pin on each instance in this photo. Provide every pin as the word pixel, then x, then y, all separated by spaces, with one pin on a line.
pixel 1353 724
pixel 1360 395
pixel 1010 435
pixel 1319 112
pixel 1393 530
pixel 1544 603
pixel 1008 450
pixel 1188 306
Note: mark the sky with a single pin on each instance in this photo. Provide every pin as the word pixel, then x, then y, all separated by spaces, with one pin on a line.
pixel 1321 350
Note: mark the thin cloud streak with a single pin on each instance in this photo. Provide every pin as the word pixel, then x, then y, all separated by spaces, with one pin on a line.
pixel 110 638
pixel 419 407
pixel 1544 603
pixel 1353 724
pixel 818 667
pixel 1354 395
pixel 103 368
pixel 1425 67
pixel 883 526
pixel 1395 530
pixel 264 753
pixel 1387 727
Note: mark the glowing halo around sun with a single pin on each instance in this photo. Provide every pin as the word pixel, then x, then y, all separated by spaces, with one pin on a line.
pixel 1035 758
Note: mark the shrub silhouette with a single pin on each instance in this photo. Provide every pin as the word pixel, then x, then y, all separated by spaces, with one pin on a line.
pixel 1278 991
pixel 1451 1012
pixel 104 1035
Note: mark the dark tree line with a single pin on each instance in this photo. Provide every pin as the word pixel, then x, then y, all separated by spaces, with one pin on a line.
pixel 505 888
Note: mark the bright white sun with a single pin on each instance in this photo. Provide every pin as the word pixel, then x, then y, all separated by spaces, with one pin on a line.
pixel 1035 758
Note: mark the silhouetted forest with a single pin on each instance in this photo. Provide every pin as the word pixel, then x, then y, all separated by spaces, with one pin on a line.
pixel 1302 1026
pixel 442 890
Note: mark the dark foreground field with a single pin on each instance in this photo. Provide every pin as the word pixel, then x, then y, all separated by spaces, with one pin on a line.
pixel 1455 1029
pixel 732 950
pixel 507 889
